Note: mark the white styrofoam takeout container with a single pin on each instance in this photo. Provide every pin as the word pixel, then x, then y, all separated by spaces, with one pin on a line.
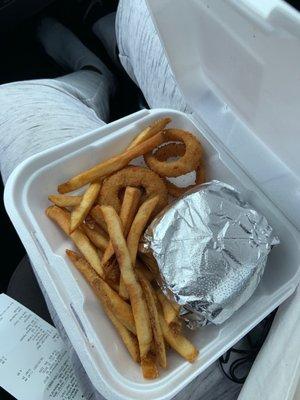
pixel 97 344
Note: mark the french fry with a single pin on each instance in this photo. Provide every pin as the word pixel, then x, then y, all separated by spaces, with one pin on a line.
pixel 150 131
pixel 178 342
pixel 128 338
pixel 176 306
pixel 95 236
pixel 113 285
pixel 154 319
pixel 81 211
pixel 150 261
pixel 121 310
pixel 111 165
pixel 97 215
pixel 138 303
pixel 176 326
pixel 128 210
pixel 112 271
pixel 145 271
pixel 149 367
pixel 138 225
pixel 64 200
pixel 169 312
pixel 62 218
pixel 92 224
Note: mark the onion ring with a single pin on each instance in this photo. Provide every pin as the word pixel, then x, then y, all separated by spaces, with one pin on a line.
pixel 163 153
pixel 189 161
pixel 136 177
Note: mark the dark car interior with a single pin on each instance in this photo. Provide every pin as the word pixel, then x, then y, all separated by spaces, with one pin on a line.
pixel 22 58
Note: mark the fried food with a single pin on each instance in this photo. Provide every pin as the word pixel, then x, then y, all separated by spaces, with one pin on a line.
pixel 169 150
pixel 111 165
pixel 121 310
pixel 62 218
pixel 150 261
pixel 81 211
pixel 150 131
pixel 136 230
pixel 154 319
pixel 147 322
pixel 96 236
pixel 152 184
pixel 170 314
pixel 96 214
pixel 145 271
pixel 187 163
pixel 149 367
pixel 178 342
pixel 176 326
pixel 138 303
pixel 128 338
pixel 113 312
pixel 129 207
pixel 112 272
pixel 139 224
pixel 64 200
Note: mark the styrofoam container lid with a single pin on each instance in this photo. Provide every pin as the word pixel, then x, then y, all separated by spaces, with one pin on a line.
pixel 237 65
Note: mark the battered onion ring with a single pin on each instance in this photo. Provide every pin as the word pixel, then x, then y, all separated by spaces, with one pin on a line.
pixel 137 177
pixel 163 153
pixel 189 161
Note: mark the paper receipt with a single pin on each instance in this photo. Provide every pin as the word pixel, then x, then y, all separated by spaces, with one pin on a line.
pixel 34 362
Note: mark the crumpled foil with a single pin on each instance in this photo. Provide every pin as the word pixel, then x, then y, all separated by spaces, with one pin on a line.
pixel 211 248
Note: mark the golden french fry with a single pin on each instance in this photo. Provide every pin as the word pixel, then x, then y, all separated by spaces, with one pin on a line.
pixel 176 306
pixel 128 210
pixel 176 326
pixel 150 261
pixel 112 271
pixel 178 342
pixel 150 131
pixel 97 215
pixel 145 271
pixel 138 303
pixel 111 165
pixel 104 292
pixel 169 312
pixel 64 200
pixel 128 338
pixel 154 319
pixel 113 285
pixel 138 225
pixel 81 211
pixel 122 289
pixel 95 236
pixel 149 367
pixel 62 218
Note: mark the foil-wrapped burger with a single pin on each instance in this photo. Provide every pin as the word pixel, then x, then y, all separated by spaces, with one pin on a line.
pixel 211 248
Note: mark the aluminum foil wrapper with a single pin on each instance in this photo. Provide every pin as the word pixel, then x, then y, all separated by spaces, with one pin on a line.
pixel 211 248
